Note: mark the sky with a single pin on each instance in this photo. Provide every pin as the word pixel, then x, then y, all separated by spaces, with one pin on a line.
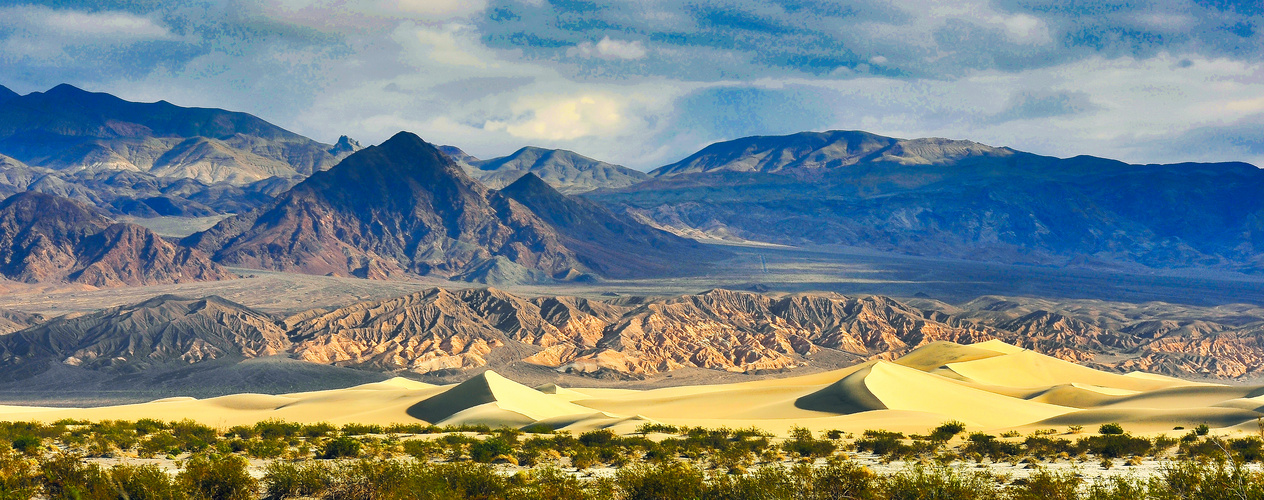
pixel 644 83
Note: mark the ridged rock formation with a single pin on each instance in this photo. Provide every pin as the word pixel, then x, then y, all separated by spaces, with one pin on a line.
pixel 161 331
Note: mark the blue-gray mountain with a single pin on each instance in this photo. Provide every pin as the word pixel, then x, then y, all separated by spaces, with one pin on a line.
pixel 567 171
pixel 150 159
pixel 944 198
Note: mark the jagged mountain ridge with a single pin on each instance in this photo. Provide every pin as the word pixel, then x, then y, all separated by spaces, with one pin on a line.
pixel 941 198
pixel 567 171
pixel 44 239
pixel 439 331
pixel 69 129
pixel 396 208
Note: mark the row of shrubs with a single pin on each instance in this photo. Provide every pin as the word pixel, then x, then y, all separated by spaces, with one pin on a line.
pixel 225 477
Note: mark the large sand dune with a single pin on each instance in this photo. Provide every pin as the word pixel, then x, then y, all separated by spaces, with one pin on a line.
pixel 988 386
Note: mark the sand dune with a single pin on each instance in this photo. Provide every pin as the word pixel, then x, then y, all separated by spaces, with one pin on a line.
pixel 988 386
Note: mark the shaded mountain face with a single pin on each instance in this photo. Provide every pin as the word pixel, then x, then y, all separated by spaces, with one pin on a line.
pixel 613 245
pixel 71 130
pixel 162 331
pixel 958 199
pixel 6 94
pixel 398 208
pixel 49 239
pixel 566 171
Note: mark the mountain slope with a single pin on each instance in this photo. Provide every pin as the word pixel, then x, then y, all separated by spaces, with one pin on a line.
pixel 72 130
pixel 566 171
pixel 959 199
pixel 160 331
pixel 6 94
pixel 47 239
pixel 400 207
pixel 613 245
pixel 824 150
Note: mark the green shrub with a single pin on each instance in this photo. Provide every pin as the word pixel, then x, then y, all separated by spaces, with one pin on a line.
pixel 18 480
pixel 144 482
pixel 361 429
pixel 1206 481
pixel 802 443
pixel 947 430
pixel 1110 429
pixel 836 480
pixel 217 477
pixel 67 476
pixel 1114 445
pixel 266 448
pixel 1202 430
pixel 318 430
pixel 485 450
pixel 277 429
pixel 28 444
pixel 918 483
pixel 288 480
pixel 1118 488
pixel 660 482
pixel 1045 485
pixel 340 447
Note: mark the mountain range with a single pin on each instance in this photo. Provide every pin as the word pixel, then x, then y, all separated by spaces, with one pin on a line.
pixel 403 207
pixel 960 199
pixel 440 332
pixel 567 171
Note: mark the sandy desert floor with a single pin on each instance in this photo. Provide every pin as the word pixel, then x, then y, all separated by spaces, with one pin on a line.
pixel 989 386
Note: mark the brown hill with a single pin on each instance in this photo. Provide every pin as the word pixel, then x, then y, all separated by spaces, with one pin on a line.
pixel 161 331
pixel 46 239
pixel 403 207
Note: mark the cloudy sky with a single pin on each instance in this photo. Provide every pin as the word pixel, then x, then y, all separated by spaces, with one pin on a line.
pixel 645 82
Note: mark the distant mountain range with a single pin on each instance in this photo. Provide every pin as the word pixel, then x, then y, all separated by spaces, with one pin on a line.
pixel 943 198
pixel 566 171
pixel 930 197
pixel 150 159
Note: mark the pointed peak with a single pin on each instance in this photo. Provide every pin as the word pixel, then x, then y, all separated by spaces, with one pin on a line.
pixel 345 145
pixel 66 89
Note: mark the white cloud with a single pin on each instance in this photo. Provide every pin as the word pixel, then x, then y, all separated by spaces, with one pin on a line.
pixel 449 46
pixel 1025 29
pixel 42 33
pixel 608 48
pixel 555 118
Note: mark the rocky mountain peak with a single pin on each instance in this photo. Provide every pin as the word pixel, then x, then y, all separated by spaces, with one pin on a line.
pixel 345 146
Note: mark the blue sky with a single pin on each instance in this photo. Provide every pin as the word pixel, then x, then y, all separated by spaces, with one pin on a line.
pixel 644 82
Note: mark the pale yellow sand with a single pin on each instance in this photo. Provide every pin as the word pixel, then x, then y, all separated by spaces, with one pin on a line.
pixel 989 386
